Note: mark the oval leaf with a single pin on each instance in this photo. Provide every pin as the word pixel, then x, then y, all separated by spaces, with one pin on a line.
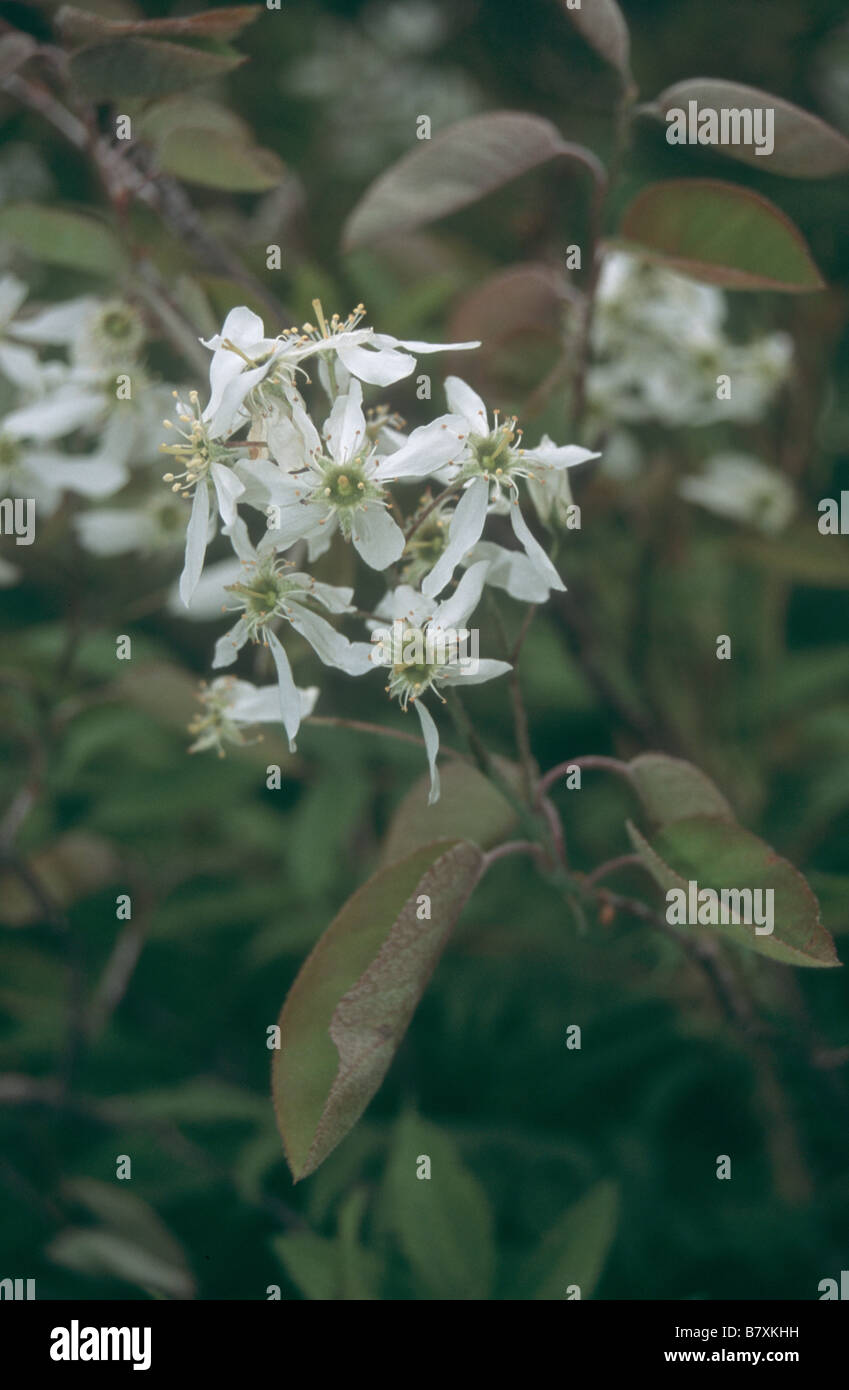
pixel 672 790
pixel 574 1250
pixel 720 856
pixel 130 67
pixel 469 808
pixel 602 24
pixel 80 26
pixel 444 1226
pixel 219 161
pixel 456 168
pixel 721 233
pixel 62 238
pixel 805 147
pixel 350 1005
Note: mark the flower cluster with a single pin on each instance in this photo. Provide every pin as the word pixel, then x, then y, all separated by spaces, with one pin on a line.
pixel 660 343
pixel 352 477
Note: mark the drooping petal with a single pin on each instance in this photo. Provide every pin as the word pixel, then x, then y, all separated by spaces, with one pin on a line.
pixel 330 646
pixel 228 646
pixel 197 533
pixel 533 549
pixel 228 488
pixel 512 571
pixel 380 367
pixel 241 541
pixel 462 400
pixel 454 613
pixel 431 738
pixel 464 532
pixel 376 536
pixel 290 700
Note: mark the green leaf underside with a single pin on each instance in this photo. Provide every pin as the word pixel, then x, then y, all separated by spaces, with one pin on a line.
pixel 123 68
pixel 602 24
pixel 59 237
pixel 672 790
pixel 805 146
pixel 717 855
pixel 456 168
pixel 80 26
pixel 574 1250
pixel 443 1224
pixel 469 808
pixel 350 1005
pixel 722 234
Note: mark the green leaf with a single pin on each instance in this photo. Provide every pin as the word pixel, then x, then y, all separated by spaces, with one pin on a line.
pixel 122 68
pixel 672 790
pixel 350 1005
pixel 821 562
pixel 60 237
pixel 602 24
pixel 217 161
pixel 720 233
pixel 361 1269
pixel 717 855
pixel 443 1224
pixel 80 26
pixel 311 1262
pixel 456 168
pixel 805 147
pixel 469 808
pixel 132 1244
pixel 574 1251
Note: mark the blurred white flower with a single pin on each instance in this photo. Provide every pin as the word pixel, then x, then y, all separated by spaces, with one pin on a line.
pixel 230 706
pixel 742 488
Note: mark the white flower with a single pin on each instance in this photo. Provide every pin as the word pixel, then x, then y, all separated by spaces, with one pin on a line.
pixel 422 651
pixel 230 705
pixel 242 359
pixel 741 488
pixel 30 470
pixel 268 592
pixel 18 364
pixel 209 473
pixel 489 467
pixel 376 358
pixel 342 481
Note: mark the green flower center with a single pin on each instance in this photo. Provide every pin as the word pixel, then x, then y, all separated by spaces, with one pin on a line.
pixel 345 486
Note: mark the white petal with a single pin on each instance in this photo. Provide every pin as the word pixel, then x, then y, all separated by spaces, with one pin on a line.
pixel 113 530
pixel 417 347
pixel 88 475
pixel 56 415
pixel 376 536
pixel 483 670
pixel 196 539
pixel 533 549
pixel 210 599
pixel 456 610
pixel 336 598
pixel 228 489
pixel 61 324
pixel 222 415
pixel 462 400
pixel 332 647
pixel 19 364
pixel 228 646
pixel 299 520
pixel 512 571
pixel 241 541
pixel 382 367
pixel 13 292
pixel 428 448
pixel 559 456
pixel 465 531
pixel 290 700
pixel 346 426
pixel 431 738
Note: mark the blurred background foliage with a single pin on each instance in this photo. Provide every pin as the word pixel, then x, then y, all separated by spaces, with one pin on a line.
pixel 147 1038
